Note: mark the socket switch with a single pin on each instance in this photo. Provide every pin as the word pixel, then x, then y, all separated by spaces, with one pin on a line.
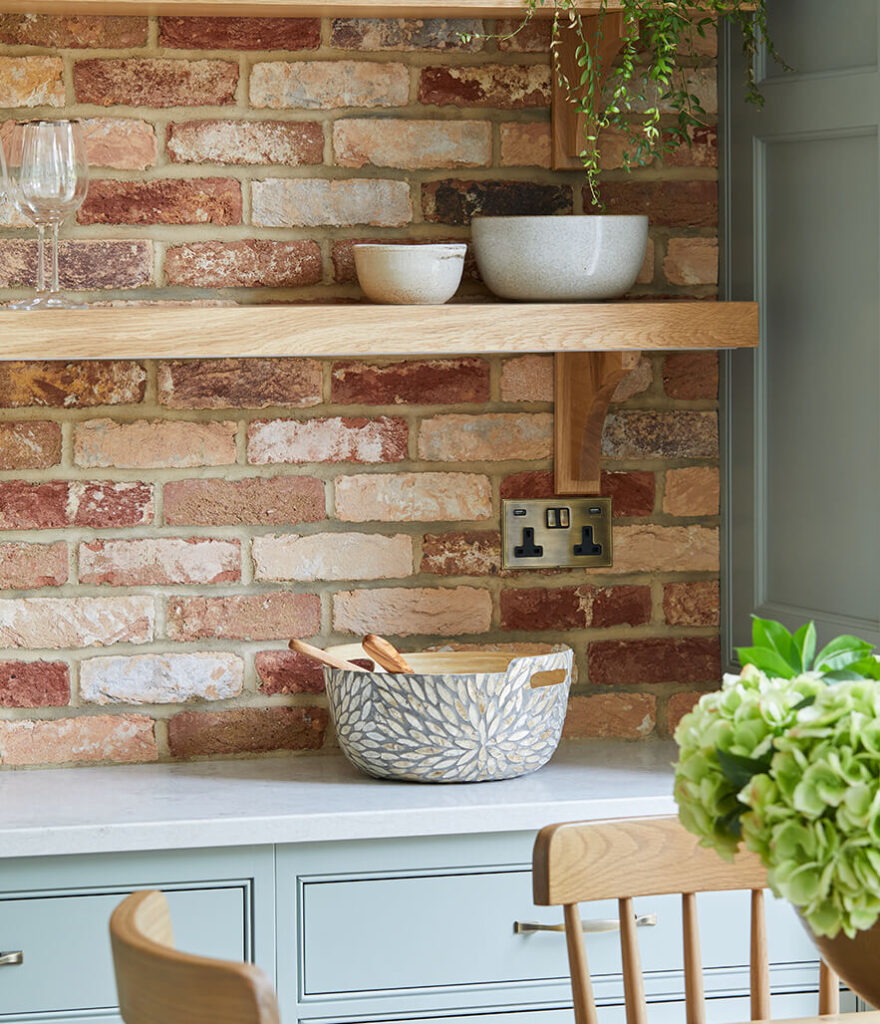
pixel 556 533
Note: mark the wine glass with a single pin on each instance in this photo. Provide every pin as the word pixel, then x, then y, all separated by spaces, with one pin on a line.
pixel 47 178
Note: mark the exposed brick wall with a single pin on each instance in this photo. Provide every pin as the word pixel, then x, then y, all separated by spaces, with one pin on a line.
pixel 165 527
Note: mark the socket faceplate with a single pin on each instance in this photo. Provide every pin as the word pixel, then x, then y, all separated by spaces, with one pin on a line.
pixel 555 533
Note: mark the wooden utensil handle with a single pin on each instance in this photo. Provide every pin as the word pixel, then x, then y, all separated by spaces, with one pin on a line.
pixel 550 677
pixel 388 656
pixel 323 656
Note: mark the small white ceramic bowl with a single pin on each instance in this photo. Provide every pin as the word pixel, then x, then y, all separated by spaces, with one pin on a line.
pixel 409 274
pixel 579 258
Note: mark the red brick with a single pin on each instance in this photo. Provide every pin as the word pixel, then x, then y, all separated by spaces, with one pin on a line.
pixel 172 201
pixel 693 491
pixel 332 439
pixel 654 660
pixel 154 444
pixel 691 375
pixel 416 382
pixel 660 435
pixel 692 604
pixel 101 504
pixel 667 203
pixel 70 32
pixel 240 383
pixel 455 201
pixel 632 493
pixel 342 255
pixel 71 385
pixel 283 672
pixel 33 506
pixel 35 444
pixel 678 705
pixel 251 263
pixel 524 36
pixel 83 265
pixel 702 152
pixel 691 261
pixel 462 553
pixel 246 731
pixel 160 561
pixel 265 501
pixel 24 566
pixel 433 34
pixel 411 143
pixel 292 143
pixel 155 83
pixel 525 144
pixel 527 379
pixel 535 484
pixel 574 607
pixel 502 86
pixel 630 716
pixel 274 616
pixel 34 684
pixel 121 143
pixel 240 33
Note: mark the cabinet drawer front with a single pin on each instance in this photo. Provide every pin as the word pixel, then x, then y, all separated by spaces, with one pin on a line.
pixel 456 930
pixel 66 945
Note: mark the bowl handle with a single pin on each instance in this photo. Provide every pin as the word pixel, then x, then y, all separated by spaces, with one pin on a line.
pixel 552 677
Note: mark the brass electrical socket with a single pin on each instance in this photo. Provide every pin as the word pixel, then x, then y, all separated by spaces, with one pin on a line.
pixel 556 533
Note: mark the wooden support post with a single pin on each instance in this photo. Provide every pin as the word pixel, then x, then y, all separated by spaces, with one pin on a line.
pixel 585 382
pixel 569 129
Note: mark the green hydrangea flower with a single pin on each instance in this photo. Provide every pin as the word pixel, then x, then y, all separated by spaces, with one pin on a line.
pixel 741 719
pixel 815 818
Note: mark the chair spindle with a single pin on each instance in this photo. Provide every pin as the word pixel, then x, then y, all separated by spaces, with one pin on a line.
pixel 694 1002
pixel 581 985
pixel 760 964
pixel 633 983
pixel 829 990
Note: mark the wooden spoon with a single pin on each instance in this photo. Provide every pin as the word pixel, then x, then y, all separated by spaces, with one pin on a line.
pixel 325 657
pixel 388 656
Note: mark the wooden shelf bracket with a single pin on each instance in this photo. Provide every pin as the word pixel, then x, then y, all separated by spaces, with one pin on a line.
pixel 585 383
pixel 569 128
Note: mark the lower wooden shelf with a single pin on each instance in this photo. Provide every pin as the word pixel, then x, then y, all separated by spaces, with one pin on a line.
pixel 366 330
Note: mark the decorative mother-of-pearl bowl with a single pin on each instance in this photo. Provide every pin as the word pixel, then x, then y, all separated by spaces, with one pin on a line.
pixel 560 259
pixel 459 717
pixel 409 274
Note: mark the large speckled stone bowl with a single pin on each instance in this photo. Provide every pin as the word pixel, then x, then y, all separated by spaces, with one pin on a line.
pixel 459 717
pixel 581 258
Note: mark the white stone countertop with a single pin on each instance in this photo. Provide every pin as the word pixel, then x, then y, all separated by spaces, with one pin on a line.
pixel 311 799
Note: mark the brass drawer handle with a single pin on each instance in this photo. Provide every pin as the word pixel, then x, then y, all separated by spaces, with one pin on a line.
pixel 599 924
pixel 11 959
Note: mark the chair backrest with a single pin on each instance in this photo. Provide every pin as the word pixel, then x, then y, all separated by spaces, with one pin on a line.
pixel 159 985
pixel 631 857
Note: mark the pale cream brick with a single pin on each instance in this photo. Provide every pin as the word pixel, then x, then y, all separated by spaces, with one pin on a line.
pixel 333 556
pixel 56 622
pixel 328 85
pixel 154 444
pixel 310 202
pixel 493 437
pixel 31 82
pixel 412 145
pixel 153 562
pixel 335 439
pixel 125 738
pixel 413 497
pixel 161 678
pixel 404 611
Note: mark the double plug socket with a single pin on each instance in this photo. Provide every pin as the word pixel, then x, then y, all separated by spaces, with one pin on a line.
pixel 555 533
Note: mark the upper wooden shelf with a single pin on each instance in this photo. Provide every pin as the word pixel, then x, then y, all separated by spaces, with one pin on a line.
pixel 292 8
pixel 364 330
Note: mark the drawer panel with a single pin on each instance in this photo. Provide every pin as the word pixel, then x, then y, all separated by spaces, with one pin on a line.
pixel 66 945
pixel 372 934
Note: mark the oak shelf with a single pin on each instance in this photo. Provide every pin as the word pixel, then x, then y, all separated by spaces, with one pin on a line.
pixel 366 330
pixel 291 8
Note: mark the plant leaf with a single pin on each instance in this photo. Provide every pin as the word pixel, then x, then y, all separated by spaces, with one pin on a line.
pixel 774 636
pixel 766 660
pixel 805 642
pixel 842 652
pixel 738 770
pixel 865 668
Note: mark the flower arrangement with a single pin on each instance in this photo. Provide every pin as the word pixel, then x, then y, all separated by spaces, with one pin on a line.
pixel 786 758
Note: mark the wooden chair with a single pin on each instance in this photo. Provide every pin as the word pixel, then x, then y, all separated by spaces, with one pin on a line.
pixel 159 985
pixel 633 857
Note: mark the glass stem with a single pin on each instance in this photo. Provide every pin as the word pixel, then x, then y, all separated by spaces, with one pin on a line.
pixel 41 258
pixel 53 281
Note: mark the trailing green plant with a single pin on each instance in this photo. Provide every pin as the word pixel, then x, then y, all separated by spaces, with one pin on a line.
pixel 786 757
pixel 647 96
